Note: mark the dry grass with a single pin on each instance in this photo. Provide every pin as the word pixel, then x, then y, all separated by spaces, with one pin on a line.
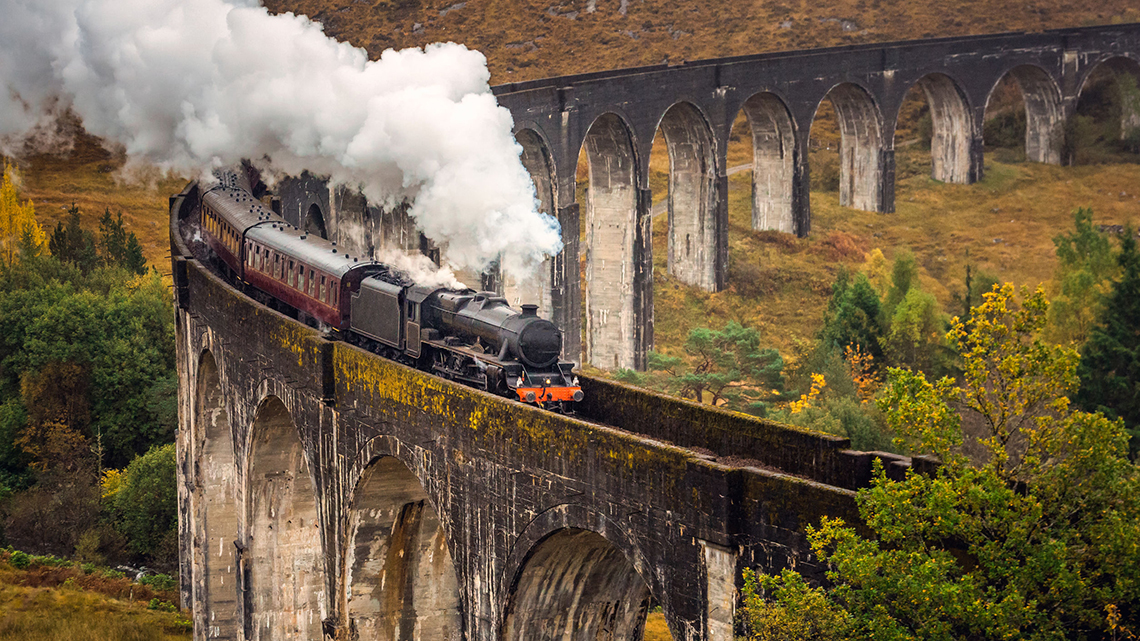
pixel 1006 222
pixel 51 603
pixel 92 178
pixel 656 629
pixel 71 614
pixel 527 39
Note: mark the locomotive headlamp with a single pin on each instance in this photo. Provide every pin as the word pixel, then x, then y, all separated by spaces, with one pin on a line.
pixel 548 381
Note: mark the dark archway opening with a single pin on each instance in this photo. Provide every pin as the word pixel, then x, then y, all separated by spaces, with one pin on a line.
pixel 315 222
pixel 1025 106
pixel 1105 126
pixel 286 595
pixel 576 586
pixel 401 579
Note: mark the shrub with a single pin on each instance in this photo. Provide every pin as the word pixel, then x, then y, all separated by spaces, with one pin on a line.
pixel 146 504
pixel 20 560
pixel 161 606
pixel 160 582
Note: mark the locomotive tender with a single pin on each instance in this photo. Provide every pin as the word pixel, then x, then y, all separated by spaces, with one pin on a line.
pixel 460 334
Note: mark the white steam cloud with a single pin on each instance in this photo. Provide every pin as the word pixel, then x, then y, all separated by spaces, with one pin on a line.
pixel 191 85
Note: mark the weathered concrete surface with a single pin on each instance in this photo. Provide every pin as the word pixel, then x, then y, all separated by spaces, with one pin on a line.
pixel 364 499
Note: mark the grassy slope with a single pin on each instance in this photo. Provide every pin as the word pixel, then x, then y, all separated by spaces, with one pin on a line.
pixel 91 177
pixel 64 604
pixel 526 39
pixel 1006 222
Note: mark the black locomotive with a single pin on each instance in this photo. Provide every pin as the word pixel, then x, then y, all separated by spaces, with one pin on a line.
pixel 464 335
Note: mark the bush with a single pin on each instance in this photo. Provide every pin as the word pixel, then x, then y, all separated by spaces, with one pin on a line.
pixel 160 582
pixel 1006 129
pixel 161 606
pixel 20 560
pixel 146 507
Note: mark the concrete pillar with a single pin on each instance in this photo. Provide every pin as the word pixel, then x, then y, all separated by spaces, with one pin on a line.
pixel 861 145
pixel 950 144
pixel 720 590
pixel 615 246
pixel 692 197
pixel 643 280
pixel 286 589
pixel 566 285
pixel 1044 115
pixel 773 163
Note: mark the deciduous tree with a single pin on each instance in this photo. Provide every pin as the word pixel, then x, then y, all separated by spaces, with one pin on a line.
pixel 1037 542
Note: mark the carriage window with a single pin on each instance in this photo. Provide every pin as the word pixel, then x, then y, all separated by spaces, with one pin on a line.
pixel 411 311
pixel 301 277
pixel 322 292
pixel 292 274
pixel 335 290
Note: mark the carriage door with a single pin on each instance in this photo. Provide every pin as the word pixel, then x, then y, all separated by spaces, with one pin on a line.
pixel 412 332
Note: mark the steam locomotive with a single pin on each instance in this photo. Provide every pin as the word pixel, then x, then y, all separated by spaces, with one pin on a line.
pixel 460 334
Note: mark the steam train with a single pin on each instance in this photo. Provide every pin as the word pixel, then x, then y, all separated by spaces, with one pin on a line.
pixel 460 334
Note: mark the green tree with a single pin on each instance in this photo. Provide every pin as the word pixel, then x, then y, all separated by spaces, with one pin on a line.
pixel 725 366
pixel 853 317
pixel 120 247
pixel 70 243
pixel 1086 266
pixel 146 505
pixel 1036 542
pixel 1110 359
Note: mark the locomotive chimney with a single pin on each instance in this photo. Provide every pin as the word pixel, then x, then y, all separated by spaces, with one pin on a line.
pixel 529 310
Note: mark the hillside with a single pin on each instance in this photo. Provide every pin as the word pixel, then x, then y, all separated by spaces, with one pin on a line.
pixel 527 39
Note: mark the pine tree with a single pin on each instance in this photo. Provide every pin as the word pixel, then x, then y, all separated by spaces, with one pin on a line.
pixel 1110 361
pixel 853 317
pixel 71 243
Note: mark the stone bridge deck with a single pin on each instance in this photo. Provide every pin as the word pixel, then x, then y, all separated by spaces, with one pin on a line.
pixel 325 492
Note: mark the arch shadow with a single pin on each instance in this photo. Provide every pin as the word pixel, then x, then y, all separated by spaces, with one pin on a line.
pixel 611 236
pixel 286 594
pixel 573 574
pixel 692 200
pixel 860 148
pixel 1044 115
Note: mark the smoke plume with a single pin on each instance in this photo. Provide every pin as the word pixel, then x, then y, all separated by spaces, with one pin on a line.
pixel 192 85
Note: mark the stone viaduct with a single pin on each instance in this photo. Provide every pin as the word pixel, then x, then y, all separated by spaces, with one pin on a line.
pixel 327 493
pixel 613 117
